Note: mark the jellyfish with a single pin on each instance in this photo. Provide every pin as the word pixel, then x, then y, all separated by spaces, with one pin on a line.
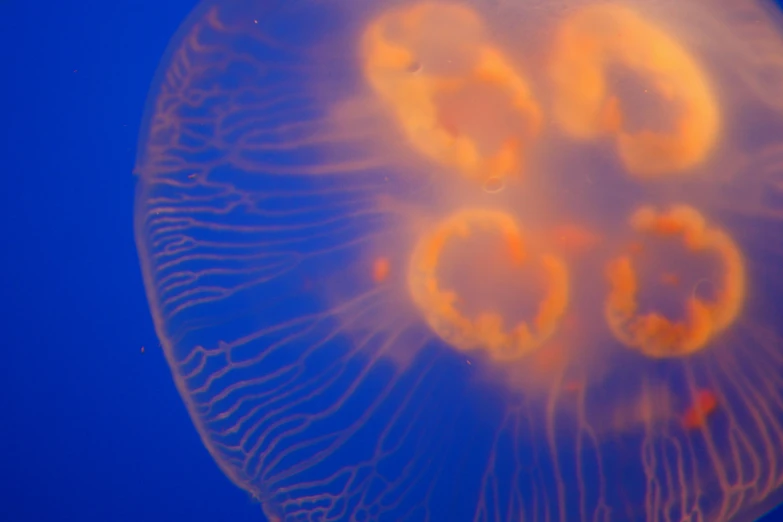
pixel 474 260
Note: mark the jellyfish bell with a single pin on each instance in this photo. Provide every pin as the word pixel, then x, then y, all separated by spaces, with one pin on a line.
pixel 471 261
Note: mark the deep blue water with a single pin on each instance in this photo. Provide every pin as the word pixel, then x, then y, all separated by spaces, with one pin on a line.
pixel 91 426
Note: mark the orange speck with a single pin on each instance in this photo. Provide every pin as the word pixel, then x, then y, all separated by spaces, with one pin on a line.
pixel 551 359
pixel 380 269
pixel 670 279
pixel 635 248
pixel 706 403
pixel 574 238
pixel 667 226
pixel 142 349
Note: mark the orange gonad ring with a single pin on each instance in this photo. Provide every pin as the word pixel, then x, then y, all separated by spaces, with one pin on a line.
pixel 486 331
pixel 652 333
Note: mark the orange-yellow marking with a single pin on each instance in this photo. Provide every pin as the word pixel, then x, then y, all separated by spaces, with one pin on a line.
pixel 601 35
pixel 393 47
pixel 705 403
pixel 439 305
pixel 652 333
pixel 574 238
pixel 670 279
pixel 380 269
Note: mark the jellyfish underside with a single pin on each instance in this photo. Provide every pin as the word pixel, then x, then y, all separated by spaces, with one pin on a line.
pixel 461 261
